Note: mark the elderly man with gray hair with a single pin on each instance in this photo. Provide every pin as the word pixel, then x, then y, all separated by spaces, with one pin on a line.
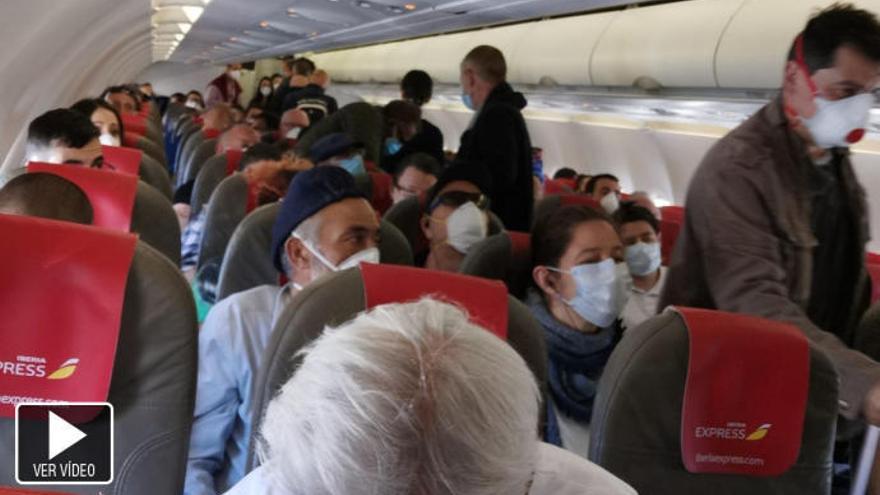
pixel 413 399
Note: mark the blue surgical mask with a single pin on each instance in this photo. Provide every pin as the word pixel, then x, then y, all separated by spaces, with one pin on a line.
pixel 643 258
pixel 392 146
pixel 602 291
pixel 354 165
pixel 468 101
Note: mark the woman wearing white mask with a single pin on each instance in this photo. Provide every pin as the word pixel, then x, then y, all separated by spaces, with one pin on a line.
pixel 263 95
pixel 640 232
pixel 225 88
pixel 105 118
pixel 453 222
pixel 581 286
pixel 195 101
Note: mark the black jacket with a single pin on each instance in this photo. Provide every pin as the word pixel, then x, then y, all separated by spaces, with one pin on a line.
pixel 499 141
pixel 429 140
pixel 310 92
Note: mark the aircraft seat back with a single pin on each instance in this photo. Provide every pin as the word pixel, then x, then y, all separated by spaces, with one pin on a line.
pixel 554 201
pixel 636 431
pixel 152 149
pixel 153 218
pixel 247 262
pixel 191 167
pixel 152 387
pixel 226 209
pixel 506 256
pixel 190 144
pixel 212 173
pixel 339 297
pixel 153 173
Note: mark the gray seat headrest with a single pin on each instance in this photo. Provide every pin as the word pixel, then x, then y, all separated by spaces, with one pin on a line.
pixel 152 387
pixel 209 177
pixel 154 174
pixel 153 218
pixel 190 143
pixel 495 258
pixel 247 262
pixel 227 208
pixel 339 297
pixel 202 154
pixel 152 149
pixel 636 424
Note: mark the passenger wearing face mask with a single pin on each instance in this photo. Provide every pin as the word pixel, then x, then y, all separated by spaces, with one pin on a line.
pixel 452 223
pixel 105 117
pixel 195 101
pixel 775 218
pixel 339 150
pixel 639 230
pixel 122 99
pixel 581 285
pixel 263 96
pixel 225 88
pixel 293 123
pixel 402 121
pixel 324 225
pixel 605 188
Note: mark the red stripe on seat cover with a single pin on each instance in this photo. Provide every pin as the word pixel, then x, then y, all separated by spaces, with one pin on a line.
pixel 61 301
pixel 111 194
pixel 130 139
pixel 381 191
pixel 745 396
pixel 579 200
pixel 233 159
pixel 211 133
pixel 484 300
pixel 122 159
pixel 135 122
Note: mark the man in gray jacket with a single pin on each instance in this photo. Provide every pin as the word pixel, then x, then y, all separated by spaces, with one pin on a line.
pixel 776 221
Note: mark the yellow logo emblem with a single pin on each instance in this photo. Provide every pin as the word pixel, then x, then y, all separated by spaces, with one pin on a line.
pixel 760 433
pixel 66 370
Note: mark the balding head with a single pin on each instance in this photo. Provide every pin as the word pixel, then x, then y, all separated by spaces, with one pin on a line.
pixel 218 117
pixel 239 137
pixel 482 69
pixel 46 195
pixel 487 63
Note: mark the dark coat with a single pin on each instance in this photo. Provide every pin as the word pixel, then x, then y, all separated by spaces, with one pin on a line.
pixel 499 142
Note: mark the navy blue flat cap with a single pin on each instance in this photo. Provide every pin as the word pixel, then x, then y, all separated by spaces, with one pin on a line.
pixel 332 145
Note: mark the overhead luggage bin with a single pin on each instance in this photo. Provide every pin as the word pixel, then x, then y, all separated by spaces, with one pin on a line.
pixel 778 23
pixel 671 44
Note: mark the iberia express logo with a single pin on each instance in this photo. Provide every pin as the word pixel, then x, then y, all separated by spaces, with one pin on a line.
pixel 733 431
pixel 66 370
pixel 760 433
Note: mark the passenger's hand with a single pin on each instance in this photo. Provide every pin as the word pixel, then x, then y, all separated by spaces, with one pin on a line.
pixel 871 407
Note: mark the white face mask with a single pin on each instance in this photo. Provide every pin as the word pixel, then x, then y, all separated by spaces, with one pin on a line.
pixel 193 104
pixel 466 226
pixel 109 140
pixel 839 123
pixel 293 133
pixel 265 90
pixel 276 86
pixel 610 203
pixel 643 258
pixel 235 74
pixel 369 255
pixel 602 291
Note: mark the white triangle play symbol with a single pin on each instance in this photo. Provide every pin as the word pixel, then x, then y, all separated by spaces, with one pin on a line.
pixel 62 435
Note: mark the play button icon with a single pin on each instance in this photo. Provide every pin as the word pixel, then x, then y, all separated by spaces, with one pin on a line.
pixel 59 444
pixel 62 435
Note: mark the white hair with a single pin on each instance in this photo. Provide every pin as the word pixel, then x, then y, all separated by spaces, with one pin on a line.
pixel 307 230
pixel 405 399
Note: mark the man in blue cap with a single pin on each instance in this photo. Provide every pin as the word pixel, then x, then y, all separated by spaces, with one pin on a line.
pixel 341 150
pixel 325 224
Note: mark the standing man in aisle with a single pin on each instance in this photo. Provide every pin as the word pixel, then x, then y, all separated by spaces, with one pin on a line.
pixel 497 138
pixel 776 221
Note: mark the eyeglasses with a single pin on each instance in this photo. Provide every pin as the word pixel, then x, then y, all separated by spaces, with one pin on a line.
pixel 457 198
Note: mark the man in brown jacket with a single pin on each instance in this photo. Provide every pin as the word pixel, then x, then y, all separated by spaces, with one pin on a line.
pixel 776 221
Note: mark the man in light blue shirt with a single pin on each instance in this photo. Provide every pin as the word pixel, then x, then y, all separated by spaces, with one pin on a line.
pixel 324 224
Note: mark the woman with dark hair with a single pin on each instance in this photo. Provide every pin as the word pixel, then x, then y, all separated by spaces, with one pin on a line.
pixel 105 117
pixel 264 94
pixel 581 285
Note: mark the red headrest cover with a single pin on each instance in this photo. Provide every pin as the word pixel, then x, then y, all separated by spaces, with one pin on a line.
pixel 579 200
pixel 135 122
pixel 874 273
pixel 122 159
pixel 131 138
pixel 745 395
pixel 211 133
pixel 61 301
pixel 381 192
pixel 672 213
pixel 111 194
pixel 669 231
pixel 384 284
pixel 559 186
pixel 233 159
